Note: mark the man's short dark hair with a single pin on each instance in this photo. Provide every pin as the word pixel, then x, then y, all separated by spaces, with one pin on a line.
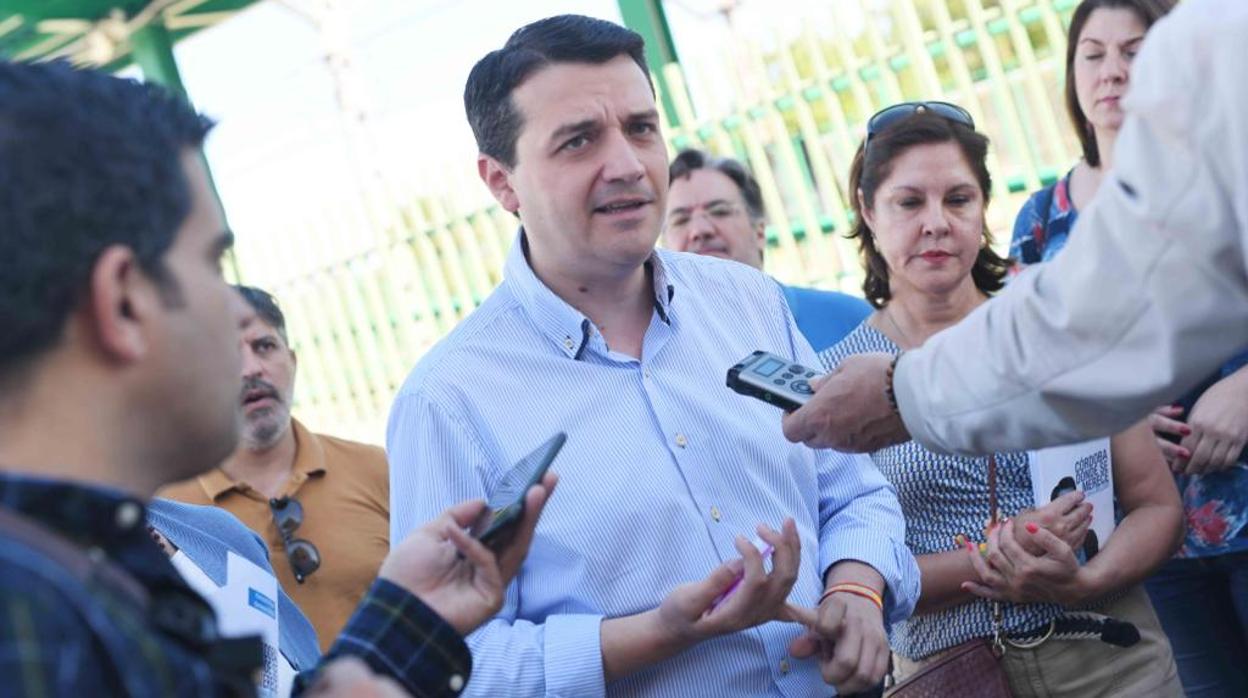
pixel 266 308
pixel 87 161
pixel 491 112
pixel 692 159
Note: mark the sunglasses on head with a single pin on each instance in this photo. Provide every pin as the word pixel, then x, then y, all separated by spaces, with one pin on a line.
pixel 888 116
pixel 303 556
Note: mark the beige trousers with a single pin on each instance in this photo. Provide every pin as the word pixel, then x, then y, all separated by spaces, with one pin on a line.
pixel 1087 668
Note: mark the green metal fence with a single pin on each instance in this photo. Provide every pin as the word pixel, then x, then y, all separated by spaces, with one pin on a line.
pixel 370 288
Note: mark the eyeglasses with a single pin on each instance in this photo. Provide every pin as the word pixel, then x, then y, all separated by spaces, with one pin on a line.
pixel 890 115
pixel 303 556
pixel 717 210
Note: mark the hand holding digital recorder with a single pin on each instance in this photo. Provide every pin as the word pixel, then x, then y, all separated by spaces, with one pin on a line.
pixel 773 379
pixel 497 525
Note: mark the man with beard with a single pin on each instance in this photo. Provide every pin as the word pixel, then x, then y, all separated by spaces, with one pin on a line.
pixel 321 503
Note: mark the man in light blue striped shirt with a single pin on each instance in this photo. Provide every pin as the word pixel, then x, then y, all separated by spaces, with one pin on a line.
pixel 666 472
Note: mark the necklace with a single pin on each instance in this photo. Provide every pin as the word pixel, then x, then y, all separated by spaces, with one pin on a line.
pixel 887 313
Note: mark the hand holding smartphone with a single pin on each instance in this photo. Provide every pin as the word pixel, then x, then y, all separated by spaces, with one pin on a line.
pixel 497 525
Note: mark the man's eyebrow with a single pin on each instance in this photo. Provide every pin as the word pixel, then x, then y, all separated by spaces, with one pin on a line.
pixel 573 128
pixel 647 115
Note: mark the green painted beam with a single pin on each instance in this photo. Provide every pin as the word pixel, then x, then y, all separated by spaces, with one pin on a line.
pixel 152 49
pixel 646 17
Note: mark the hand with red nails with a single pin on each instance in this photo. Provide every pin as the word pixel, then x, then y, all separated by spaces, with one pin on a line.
pixel 1008 572
pixel 1216 430
pixel 1068 517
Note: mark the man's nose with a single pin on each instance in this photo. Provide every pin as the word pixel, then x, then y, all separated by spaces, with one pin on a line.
pixel 621 163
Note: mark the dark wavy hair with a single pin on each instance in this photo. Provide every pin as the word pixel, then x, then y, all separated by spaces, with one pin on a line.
pixel 867 172
pixel 1149 11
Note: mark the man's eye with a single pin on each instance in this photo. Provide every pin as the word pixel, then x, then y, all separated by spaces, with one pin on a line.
pixel 1093 56
pixel 643 128
pixel 959 200
pixel 720 212
pixel 909 203
pixel 678 221
pixel 575 143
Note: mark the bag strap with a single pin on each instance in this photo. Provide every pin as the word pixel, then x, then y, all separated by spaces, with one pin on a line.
pixel 998 617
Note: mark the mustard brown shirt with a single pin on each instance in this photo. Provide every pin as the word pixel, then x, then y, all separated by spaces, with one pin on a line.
pixel 344 489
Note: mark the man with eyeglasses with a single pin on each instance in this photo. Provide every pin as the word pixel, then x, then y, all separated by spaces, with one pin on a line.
pixel 321 503
pixel 715 207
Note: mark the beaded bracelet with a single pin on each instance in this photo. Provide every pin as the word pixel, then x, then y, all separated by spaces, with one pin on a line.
pixel 862 590
pixel 888 385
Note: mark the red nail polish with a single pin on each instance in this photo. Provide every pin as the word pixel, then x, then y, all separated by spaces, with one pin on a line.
pixel 1032 528
pixel 1186 431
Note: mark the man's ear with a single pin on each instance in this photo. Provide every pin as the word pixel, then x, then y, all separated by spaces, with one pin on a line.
pixel 121 303
pixel 498 178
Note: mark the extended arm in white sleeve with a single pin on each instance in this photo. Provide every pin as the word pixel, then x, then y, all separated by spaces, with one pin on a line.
pixel 1149 295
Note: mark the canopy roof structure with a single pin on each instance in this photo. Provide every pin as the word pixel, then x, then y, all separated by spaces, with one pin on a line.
pixel 108 33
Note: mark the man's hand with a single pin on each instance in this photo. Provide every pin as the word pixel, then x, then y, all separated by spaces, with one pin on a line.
pixel 686 614
pixel 1068 517
pixel 847 634
pixel 1219 426
pixel 466 591
pixel 350 677
pixel 849 410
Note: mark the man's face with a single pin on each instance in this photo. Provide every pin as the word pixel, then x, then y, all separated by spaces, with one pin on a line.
pixel 191 390
pixel 268 384
pixel 706 214
pixel 591 168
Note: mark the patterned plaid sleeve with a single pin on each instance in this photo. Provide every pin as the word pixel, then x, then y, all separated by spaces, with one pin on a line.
pixel 400 637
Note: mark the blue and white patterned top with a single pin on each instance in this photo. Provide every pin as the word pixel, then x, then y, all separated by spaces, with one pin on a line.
pixel 664 466
pixel 943 496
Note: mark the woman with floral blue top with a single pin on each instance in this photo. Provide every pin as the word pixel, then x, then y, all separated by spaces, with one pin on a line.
pixel 1202 595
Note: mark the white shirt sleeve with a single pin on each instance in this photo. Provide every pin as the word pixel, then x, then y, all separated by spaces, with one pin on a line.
pixel 1151 292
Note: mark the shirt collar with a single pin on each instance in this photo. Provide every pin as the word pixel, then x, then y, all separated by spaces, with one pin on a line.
pixel 309 461
pixel 568 328
pixel 90 515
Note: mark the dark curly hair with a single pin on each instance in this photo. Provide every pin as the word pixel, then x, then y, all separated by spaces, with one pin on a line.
pixel 87 161
pixel 867 173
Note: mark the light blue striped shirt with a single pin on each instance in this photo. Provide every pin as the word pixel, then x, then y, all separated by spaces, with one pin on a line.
pixel 663 466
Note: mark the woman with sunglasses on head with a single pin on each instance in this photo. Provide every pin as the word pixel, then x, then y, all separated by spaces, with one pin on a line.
pixel 922 187
pixel 1202 595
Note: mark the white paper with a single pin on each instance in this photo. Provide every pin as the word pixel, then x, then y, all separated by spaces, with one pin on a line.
pixel 1088 466
pixel 246 605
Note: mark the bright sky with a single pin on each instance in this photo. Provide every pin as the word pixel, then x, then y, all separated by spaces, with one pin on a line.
pixel 281 151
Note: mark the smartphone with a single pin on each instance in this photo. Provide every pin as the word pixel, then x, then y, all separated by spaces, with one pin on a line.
pixel 772 379
pixel 497 525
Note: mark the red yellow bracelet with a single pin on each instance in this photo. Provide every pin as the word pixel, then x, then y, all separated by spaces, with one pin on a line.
pixel 856 589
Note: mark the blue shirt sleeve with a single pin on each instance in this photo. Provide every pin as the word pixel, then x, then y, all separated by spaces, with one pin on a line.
pixel 435 462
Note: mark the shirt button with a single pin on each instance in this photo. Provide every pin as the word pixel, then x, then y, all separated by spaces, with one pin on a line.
pixel 567 342
pixel 784 666
pixel 127 515
pixel 715 513
pixel 681 441
pixel 645 372
pixel 456 683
